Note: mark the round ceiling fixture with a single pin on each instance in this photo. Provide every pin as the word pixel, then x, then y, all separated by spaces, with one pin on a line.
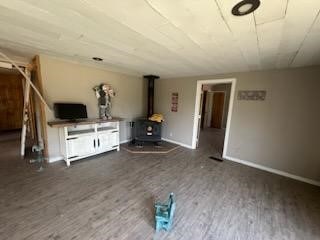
pixel 97 59
pixel 245 7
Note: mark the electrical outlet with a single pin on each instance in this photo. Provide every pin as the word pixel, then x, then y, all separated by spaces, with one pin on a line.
pixel 170 134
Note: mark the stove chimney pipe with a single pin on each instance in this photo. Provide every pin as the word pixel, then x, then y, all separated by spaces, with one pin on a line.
pixel 150 79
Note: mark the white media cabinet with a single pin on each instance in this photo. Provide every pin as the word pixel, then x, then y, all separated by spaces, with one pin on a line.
pixel 87 138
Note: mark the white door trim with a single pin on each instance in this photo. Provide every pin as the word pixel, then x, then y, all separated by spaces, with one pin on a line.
pixel 197 109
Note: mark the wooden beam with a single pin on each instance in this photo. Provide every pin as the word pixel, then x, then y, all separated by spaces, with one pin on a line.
pixel 25 118
pixel 43 119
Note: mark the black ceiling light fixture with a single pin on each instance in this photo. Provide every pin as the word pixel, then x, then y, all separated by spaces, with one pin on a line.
pixel 245 7
pixel 97 59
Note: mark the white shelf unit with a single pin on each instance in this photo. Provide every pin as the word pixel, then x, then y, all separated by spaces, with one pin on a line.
pixel 83 140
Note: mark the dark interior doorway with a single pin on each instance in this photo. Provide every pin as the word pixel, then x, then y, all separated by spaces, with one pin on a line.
pixel 11 114
pixel 217 109
pixel 11 101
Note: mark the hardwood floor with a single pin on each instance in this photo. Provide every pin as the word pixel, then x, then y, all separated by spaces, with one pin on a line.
pixel 111 197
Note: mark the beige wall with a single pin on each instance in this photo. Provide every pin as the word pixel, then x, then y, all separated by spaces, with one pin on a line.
pixel 281 132
pixel 69 82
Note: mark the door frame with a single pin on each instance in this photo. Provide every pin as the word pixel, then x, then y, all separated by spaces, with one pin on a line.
pixel 203 108
pixel 196 119
pixel 224 102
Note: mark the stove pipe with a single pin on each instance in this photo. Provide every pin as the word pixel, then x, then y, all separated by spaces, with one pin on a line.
pixel 150 79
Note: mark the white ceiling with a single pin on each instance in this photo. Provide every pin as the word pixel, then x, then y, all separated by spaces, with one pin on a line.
pixel 171 38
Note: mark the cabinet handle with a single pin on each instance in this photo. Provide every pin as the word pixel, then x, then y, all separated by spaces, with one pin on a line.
pixel 114 131
pixel 72 138
pixel 98 142
pixel 94 143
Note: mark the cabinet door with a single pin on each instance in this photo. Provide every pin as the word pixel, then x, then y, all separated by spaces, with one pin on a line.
pixel 107 140
pixel 114 139
pixel 81 146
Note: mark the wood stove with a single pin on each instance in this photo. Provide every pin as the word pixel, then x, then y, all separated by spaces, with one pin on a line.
pixel 145 130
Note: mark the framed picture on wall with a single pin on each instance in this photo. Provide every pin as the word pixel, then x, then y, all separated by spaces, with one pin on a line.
pixel 252 95
pixel 174 102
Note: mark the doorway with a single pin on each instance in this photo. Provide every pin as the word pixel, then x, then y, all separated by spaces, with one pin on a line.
pixel 12 85
pixel 218 104
pixel 11 100
pixel 213 106
pixel 213 109
pixel 11 108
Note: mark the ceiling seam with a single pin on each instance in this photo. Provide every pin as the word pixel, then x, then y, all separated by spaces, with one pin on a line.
pixel 179 58
pixel 61 55
pixel 274 20
pixel 170 22
pixel 119 50
pixel 158 12
pixel 223 18
pixel 257 38
pixel 225 21
pixel 285 12
pixel 108 62
pixel 231 32
pixel 305 37
pixel 125 53
pixel 285 15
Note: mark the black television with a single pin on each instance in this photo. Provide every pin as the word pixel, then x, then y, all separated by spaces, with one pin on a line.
pixel 70 111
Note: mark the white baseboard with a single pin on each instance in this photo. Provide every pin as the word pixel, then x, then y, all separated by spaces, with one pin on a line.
pixel 60 158
pixel 55 159
pixel 247 163
pixel 272 170
pixel 178 143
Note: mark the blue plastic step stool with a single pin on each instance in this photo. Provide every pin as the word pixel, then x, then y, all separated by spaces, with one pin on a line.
pixel 164 214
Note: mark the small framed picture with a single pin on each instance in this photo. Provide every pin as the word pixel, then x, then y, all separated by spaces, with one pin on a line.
pixel 174 102
pixel 252 95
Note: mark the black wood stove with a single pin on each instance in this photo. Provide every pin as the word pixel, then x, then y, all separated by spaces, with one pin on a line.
pixel 145 130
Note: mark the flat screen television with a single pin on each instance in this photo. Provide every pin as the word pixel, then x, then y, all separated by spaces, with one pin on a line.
pixel 70 111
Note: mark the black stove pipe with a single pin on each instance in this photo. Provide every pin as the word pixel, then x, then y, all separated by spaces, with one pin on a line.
pixel 150 79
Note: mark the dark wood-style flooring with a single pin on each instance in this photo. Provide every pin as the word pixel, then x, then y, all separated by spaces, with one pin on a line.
pixel 111 197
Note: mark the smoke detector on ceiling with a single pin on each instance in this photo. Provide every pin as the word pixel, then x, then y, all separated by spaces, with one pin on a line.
pixel 97 59
pixel 245 7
